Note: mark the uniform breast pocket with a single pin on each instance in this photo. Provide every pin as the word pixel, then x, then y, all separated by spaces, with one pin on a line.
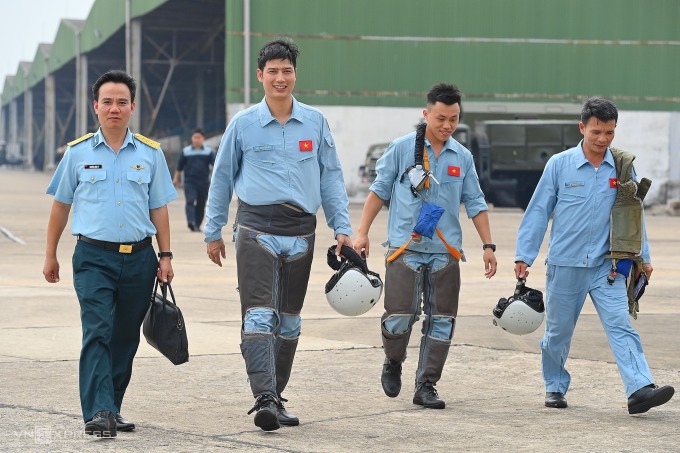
pixel 92 186
pixel 307 157
pixel 262 155
pixel 452 188
pixel 573 192
pixel 138 184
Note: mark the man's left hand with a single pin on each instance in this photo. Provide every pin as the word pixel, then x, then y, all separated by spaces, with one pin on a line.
pixel 489 263
pixel 165 273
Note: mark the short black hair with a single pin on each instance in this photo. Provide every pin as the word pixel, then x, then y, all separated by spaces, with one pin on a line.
pixel 198 131
pixel 280 49
pixel 115 76
pixel 600 108
pixel 445 93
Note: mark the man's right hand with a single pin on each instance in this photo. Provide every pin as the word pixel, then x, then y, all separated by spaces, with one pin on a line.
pixel 51 270
pixel 521 270
pixel 215 250
pixel 361 244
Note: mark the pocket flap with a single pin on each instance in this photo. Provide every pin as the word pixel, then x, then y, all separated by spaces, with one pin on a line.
pixel 92 176
pixel 140 177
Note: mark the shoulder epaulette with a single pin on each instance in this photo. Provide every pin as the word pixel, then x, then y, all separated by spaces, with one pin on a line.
pixel 78 140
pixel 148 141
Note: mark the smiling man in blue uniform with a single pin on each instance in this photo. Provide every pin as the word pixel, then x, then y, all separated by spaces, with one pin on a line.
pixel 423 273
pixel 279 157
pixel 119 185
pixel 578 189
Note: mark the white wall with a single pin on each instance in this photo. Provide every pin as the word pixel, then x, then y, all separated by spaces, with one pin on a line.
pixel 356 128
pixel 648 136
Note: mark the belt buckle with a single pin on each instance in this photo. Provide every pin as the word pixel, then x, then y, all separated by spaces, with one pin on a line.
pixel 125 248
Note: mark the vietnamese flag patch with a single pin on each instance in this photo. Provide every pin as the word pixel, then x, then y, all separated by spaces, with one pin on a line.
pixel 612 183
pixel 454 171
pixel 305 145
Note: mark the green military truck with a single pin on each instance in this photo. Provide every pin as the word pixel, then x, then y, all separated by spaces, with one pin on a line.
pixel 510 155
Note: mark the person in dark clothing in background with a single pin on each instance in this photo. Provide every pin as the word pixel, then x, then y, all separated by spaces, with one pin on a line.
pixel 196 161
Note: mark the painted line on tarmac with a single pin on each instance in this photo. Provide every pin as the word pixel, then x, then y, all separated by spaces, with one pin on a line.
pixel 11 236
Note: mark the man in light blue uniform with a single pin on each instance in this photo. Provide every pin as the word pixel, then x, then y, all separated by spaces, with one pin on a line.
pixel 578 187
pixel 119 185
pixel 425 272
pixel 196 161
pixel 280 158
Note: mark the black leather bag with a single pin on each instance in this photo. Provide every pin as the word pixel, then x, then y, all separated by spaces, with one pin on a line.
pixel 164 326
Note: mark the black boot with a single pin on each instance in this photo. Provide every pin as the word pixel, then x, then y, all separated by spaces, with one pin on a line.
pixel 555 399
pixel 285 417
pixel 285 348
pixel 648 397
pixel 267 410
pixel 426 395
pixel 124 425
pixel 103 424
pixel 391 377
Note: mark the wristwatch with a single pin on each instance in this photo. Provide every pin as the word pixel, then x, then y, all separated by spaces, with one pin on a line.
pixel 165 254
pixel 489 246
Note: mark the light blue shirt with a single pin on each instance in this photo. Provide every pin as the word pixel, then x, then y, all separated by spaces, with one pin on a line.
pixel 581 198
pixel 267 163
pixel 458 184
pixel 190 151
pixel 112 193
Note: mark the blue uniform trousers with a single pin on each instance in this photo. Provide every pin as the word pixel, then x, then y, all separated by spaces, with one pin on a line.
pixel 114 290
pixel 196 196
pixel 566 291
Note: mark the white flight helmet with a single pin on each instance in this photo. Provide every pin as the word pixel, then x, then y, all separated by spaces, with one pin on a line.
pixel 353 289
pixel 522 312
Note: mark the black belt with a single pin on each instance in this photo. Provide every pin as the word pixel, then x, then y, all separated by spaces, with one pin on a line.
pixel 127 247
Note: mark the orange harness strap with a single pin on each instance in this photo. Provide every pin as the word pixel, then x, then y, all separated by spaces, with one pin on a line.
pixel 426 167
pixel 452 250
pixel 399 251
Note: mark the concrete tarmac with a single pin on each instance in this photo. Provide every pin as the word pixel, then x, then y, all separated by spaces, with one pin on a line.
pixel 491 383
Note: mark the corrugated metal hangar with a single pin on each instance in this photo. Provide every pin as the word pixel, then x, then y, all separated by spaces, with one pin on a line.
pixel 195 62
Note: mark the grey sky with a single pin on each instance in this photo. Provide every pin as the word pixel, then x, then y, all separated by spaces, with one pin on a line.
pixel 26 23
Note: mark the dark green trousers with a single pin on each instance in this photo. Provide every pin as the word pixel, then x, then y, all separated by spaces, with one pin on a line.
pixel 114 290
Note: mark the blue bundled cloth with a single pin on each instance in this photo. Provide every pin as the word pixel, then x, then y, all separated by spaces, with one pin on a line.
pixel 623 266
pixel 428 218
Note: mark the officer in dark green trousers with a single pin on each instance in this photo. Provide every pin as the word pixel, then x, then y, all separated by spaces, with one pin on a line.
pixel 119 185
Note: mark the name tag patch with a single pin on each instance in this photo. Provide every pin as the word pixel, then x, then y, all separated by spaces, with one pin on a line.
pixel 569 184
pixel 93 166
